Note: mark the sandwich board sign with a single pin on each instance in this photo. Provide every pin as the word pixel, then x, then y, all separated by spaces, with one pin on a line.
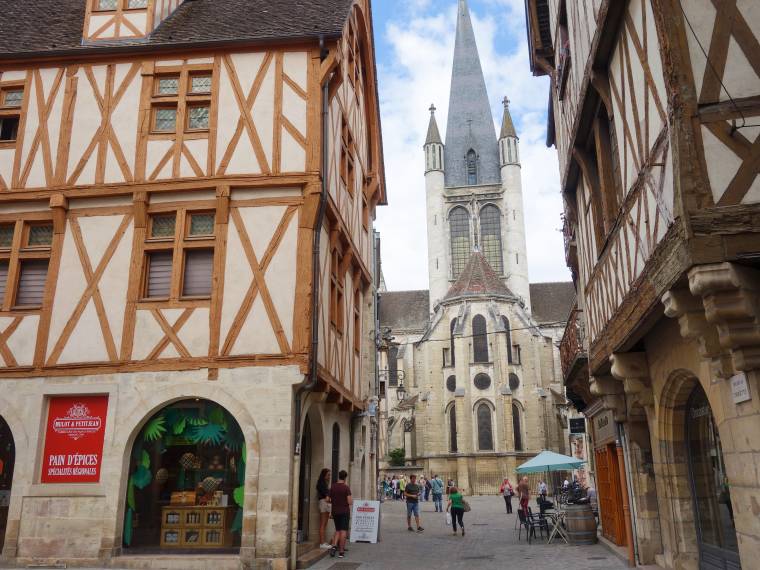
pixel 365 521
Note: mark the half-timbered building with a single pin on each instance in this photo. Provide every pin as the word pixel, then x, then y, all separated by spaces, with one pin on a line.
pixel 655 113
pixel 187 195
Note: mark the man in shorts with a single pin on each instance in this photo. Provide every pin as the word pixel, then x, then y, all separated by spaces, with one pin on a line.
pixel 412 495
pixel 341 501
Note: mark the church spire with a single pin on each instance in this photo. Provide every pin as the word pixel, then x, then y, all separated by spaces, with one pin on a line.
pixel 507 126
pixel 433 135
pixel 471 147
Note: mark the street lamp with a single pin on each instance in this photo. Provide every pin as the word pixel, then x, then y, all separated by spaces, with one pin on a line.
pixel 401 391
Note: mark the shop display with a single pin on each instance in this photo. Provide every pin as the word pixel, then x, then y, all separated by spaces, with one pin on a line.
pixel 186 484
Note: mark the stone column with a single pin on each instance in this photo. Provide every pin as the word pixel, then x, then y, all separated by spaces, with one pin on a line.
pixel 632 369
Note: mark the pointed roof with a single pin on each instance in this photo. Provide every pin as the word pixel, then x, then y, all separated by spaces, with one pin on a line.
pixel 478 278
pixel 470 123
pixel 507 126
pixel 433 135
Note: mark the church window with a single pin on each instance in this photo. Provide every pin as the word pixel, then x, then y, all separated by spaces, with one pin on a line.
pixel 508 332
pixel 485 430
pixel 393 366
pixel 517 427
pixel 459 222
pixel 453 448
pixel 482 381
pixel 490 236
pixel 335 452
pixel 451 383
pixel 479 339
pixel 472 167
pixel 514 381
pixel 452 327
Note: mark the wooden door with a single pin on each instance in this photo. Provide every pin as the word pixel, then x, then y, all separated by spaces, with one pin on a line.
pixel 609 494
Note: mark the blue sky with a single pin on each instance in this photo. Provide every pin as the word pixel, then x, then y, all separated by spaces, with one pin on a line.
pixel 415 42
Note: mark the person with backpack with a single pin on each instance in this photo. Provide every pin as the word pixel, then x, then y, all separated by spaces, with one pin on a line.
pixel 436 486
pixel 507 491
pixel 457 507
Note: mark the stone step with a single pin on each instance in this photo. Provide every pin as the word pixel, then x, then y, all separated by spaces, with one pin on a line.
pixel 178 562
pixel 311 557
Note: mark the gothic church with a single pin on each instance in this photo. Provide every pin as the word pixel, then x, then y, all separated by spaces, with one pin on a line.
pixel 471 377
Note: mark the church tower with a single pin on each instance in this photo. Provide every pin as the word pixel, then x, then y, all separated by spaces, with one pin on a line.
pixel 474 192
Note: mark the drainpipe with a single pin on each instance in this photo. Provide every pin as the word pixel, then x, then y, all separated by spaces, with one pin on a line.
pixel 626 504
pixel 310 382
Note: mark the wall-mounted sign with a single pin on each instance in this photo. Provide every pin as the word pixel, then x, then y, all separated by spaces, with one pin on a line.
pixel 76 426
pixel 605 429
pixel 577 425
pixel 740 388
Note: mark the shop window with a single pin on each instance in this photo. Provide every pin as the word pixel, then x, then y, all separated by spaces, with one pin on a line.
pixel 485 429
pixel 25 249
pixel 461 248
pixel 337 285
pixel 186 481
pixel 508 333
pixel 179 256
pixel 11 100
pixel 479 339
pixel 182 94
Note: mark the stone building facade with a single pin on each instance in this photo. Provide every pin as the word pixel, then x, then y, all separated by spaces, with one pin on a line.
pixel 187 277
pixel 654 112
pixel 471 376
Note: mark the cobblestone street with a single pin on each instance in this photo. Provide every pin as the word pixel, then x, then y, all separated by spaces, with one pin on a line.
pixel 490 543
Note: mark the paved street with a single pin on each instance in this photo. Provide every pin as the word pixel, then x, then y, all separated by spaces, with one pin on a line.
pixel 490 543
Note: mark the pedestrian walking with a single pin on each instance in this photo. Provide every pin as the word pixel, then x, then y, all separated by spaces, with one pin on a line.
pixel 523 489
pixel 436 487
pixel 325 507
pixel 507 491
pixel 341 500
pixel 456 506
pixel 394 488
pixel 542 491
pixel 428 489
pixel 402 487
pixel 412 496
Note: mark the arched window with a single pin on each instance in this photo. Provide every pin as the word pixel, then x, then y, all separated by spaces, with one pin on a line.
pixel 393 366
pixel 472 167
pixel 335 452
pixel 479 339
pixel 451 341
pixel 453 430
pixel 517 427
pixel 508 331
pixel 490 236
pixel 459 226
pixel 485 432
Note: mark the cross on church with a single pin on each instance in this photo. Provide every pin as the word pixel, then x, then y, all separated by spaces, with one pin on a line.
pixel 432 109
pixel 506 102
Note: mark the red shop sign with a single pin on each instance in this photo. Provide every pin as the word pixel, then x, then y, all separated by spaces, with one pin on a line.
pixel 76 426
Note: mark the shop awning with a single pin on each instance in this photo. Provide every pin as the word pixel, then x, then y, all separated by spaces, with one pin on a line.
pixel 549 461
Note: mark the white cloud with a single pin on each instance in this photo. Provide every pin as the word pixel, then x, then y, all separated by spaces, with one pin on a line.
pixel 417 72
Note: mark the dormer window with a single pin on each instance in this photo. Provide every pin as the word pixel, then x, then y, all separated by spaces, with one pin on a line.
pixel 106 5
pixel 472 167
pixel 112 5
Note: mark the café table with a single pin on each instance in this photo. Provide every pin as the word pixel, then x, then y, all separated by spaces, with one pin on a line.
pixel 558 522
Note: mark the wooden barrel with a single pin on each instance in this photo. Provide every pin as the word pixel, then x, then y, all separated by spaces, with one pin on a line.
pixel 581 524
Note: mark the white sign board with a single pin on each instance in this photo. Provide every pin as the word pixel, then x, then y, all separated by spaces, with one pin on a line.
pixel 365 521
pixel 740 388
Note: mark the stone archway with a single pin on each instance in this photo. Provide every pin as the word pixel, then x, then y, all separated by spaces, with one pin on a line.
pixel 312 462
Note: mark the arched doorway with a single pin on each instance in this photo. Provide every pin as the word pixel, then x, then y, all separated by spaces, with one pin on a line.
pixel 716 533
pixel 7 462
pixel 304 482
pixel 186 481
pixel 312 462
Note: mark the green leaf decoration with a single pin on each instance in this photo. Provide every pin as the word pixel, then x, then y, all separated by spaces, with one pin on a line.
pixel 131 494
pixel 239 495
pixel 218 417
pixel 197 421
pixel 128 527
pixel 145 460
pixel 173 416
pixel 179 427
pixel 244 457
pixel 208 434
pixel 237 524
pixel 234 439
pixel 142 477
pixel 155 429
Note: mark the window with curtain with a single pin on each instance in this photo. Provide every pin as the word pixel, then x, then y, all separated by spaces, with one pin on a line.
pixel 485 431
pixel 453 430
pixel 472 167
pixel 335 452
pixel 508 332
pixel 459 226
pixel 479 339
pixel 517 427
pixel 490 236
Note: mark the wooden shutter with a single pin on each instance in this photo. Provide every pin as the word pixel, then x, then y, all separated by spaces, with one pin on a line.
pixel 31 282
pixel 3 279
pixel 199 266
pixel 159 275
